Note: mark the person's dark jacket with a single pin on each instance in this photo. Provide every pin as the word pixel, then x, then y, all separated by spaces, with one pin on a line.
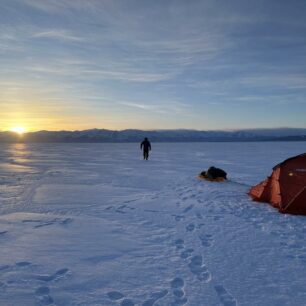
pixel 145 145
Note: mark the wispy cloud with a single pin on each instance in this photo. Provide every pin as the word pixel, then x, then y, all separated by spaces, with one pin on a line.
pixel 49 6
pixel 83 72
pixel 11 40
pixel 59 34
pixel 138 105
pixel 129 75
pixel 251 81
pixel 168 107
pixel 110 67
pixel 289 81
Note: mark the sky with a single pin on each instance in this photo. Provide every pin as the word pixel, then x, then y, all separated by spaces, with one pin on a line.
pixel 196 64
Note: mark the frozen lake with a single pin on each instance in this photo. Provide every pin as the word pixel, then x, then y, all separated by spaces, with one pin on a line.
pixel 94 224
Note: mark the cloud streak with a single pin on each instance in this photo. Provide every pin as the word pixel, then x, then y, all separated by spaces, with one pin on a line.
pixel 58 34
pixel 169 107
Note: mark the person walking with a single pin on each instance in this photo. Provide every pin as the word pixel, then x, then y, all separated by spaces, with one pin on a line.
pixel 146 147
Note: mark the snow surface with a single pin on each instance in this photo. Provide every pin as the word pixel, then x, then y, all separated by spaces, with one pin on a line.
pixel 93 224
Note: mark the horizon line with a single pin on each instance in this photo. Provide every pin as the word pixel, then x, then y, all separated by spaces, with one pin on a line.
pixel 157 130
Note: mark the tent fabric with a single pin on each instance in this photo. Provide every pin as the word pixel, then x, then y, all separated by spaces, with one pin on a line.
pixel 285 189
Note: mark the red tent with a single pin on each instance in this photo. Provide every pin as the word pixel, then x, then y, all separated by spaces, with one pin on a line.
pixel 285 189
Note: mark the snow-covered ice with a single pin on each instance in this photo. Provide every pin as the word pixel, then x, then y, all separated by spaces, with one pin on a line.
pixel 93 224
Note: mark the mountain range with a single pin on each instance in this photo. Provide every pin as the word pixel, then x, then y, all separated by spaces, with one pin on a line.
pixel 179 135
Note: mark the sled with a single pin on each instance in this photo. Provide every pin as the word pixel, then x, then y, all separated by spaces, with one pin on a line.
pixel 206 178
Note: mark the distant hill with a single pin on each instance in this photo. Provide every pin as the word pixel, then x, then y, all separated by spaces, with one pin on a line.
pixel 181 135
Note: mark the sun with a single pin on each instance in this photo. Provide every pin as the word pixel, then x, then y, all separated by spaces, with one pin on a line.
pixel 18 129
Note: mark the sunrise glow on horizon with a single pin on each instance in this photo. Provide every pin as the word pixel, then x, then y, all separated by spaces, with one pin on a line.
pixel 18 129
pixel 206 65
